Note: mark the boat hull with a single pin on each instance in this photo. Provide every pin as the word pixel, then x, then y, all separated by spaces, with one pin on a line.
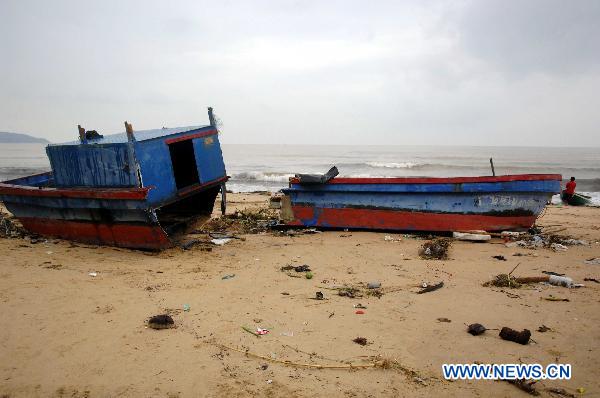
pixel 427 204
pixel 120 217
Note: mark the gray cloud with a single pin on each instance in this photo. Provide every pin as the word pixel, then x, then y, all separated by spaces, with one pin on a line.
pixel 481 72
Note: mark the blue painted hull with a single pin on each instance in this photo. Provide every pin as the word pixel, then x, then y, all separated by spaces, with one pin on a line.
pixel 427 204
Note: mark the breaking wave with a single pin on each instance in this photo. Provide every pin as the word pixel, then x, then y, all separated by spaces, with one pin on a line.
pixel 262 176
pixel 393 165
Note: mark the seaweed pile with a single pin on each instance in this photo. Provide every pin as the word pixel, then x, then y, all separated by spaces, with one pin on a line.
pixel 249 221
pixel 10 227
pixel 436 249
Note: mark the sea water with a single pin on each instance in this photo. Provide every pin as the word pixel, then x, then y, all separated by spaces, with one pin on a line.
pixel 268 167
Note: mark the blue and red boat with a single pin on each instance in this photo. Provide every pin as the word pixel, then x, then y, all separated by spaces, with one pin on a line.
pixel 134 189
pixel 510 202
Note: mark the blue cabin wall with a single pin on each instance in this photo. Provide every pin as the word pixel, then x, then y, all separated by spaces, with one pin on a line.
pixel 106 165
pixel 209 158
pixel 154 159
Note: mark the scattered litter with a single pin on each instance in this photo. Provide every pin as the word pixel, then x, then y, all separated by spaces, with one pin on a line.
pixel 552 273
pixel 472 237
pixel 373 285
pixel 435 249
pixel 510 234
pixel 288 334
pixel 431 288
pixel 552 298
pixel 389 238
pixel 49 252
pixel 350 292
pixel 512 335
pixel 360 340
pixel 261 332
pixel 359 305
pixel 308 275
pixel 264 366
pixel 269 381
pixel 228 276
pixel 499 257
pixel 476 329
pixel 591 280
pixel 285 293
pixel 503 280
pixel 161 322
pixel 252 332
pixel 359 312
pixel 580 390
pixel 302 268
pixel 189 244
pixel 331 315
pixel 560 391
pixel 249 221
pixel 186 307
pixel 525 385
pixel 593 261
pixel 319 296
pixel 544 329
pixel 560 281
pixel 220 241
pixel 557 247
pixel 444 320
pixel 94 274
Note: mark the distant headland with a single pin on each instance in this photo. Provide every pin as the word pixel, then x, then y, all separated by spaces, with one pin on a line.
pixel 16 138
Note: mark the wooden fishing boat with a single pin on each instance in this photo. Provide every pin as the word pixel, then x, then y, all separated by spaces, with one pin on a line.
pixel 134 189
pixel 510 202
pixel 577 199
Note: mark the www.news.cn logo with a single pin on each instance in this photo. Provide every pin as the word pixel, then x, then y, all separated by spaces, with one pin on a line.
pixel 506 371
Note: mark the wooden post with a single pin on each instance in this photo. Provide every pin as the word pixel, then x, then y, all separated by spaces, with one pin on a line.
pixel 492 164
pixel 129 131
pixel 211 117
pixel 81 134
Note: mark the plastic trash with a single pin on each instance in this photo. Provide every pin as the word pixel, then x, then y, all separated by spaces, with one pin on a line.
pixel 220 241
pixel 228 276
pixel 560 281
pixel 471 237
pixel 260 331
pixel 186 307
pixel 288 334
pixel 93 274
pixel 373 285
pixel 557 247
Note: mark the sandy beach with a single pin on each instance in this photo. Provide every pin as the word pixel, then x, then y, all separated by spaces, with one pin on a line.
pixel 67 333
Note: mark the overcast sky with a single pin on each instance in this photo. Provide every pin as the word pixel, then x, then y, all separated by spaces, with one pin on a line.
pixel 498 72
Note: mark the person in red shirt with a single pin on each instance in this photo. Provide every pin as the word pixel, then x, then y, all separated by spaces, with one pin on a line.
pixel 569 189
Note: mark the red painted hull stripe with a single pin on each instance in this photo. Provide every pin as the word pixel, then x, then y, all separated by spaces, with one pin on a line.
pixel 405 220
pixel 85 193
pixel 191 136
pixel 448 180
pixel 123 235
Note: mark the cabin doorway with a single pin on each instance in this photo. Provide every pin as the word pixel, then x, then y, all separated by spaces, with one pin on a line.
pixel 183 160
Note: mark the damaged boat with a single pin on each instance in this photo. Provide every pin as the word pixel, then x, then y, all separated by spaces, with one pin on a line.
pixel 509 202
pixel 134 189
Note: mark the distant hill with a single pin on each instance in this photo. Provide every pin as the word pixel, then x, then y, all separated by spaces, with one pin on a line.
pixel 16 138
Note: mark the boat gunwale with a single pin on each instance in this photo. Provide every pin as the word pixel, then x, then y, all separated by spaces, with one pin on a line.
pixel 435 180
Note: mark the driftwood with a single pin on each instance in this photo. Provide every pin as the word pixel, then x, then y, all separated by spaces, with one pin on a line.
pixel 431 288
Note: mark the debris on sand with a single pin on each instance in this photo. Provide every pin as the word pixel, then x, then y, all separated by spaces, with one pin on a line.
pixel 503 280
pixel 161 322
pixel 509 334
pixel 544 329
pixel 10 227
pixel 436 249
pixel 525 385
pixel 360 340
pixel 444 320
pixel 593 261
pixel 350 292
pixel 476 329
pixel 431 288
pixel 499 257
pixel 249 221
pixel 473 237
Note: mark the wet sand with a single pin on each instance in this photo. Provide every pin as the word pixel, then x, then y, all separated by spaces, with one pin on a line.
pixel 66 333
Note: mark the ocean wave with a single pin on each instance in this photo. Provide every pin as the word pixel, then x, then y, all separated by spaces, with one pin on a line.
pixel 393 165
pixel 262 176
